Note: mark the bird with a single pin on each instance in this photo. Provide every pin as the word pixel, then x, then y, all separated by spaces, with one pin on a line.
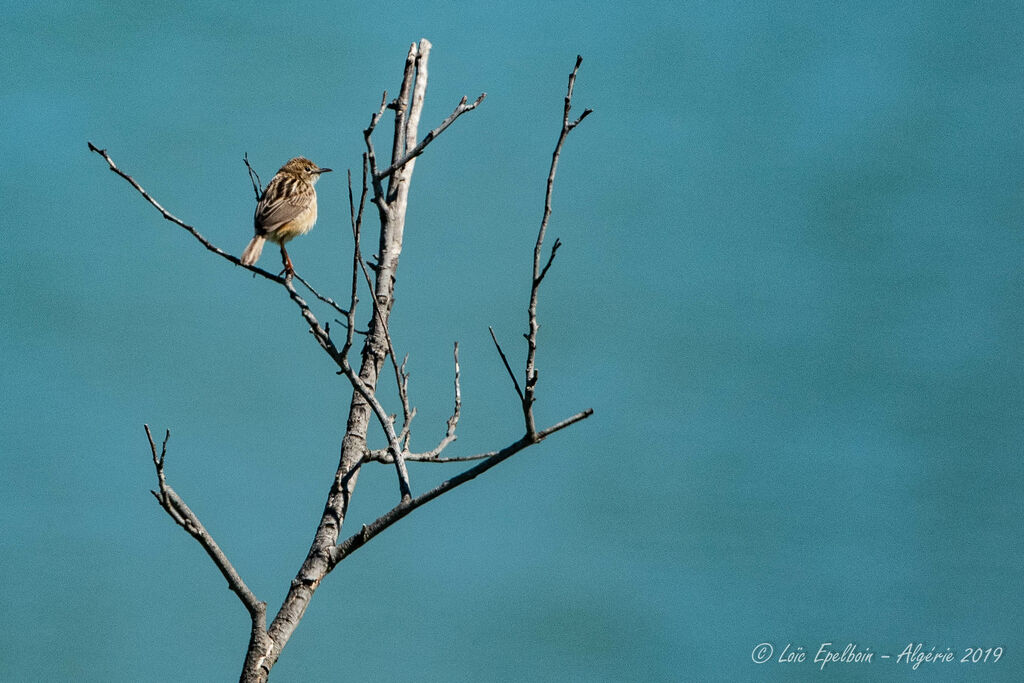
pixel 286 209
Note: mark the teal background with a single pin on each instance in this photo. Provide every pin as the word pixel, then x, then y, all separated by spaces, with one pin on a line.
pixel 790 288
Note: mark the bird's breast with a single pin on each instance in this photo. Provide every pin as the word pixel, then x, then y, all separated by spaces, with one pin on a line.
pixel 299 225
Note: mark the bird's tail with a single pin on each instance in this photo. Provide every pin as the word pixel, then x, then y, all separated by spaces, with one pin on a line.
pixel 252 252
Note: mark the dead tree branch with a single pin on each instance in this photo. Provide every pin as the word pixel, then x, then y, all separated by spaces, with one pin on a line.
pixel 384 456
pixel 391 206
pixel 504 359
pixel 460 109
pixel 326 299
pixel 254 177
pixel 388 190
pixel 183 516
pixel 205 242
pixel 529 393
pixel 359 539
pixel 177 221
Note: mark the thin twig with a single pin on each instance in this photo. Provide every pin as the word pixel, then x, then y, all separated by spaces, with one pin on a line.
pixel 371 155
pixel 356 215
pixel 177 221
pixel 384 455
pixel 176 508
pixel 460 109
pixel 568 99
pixel 206 243
pixel 408 413
pixel 401 379
pixel 551 258
pixel 528 396
pixel 319 332
pixel 453 421
pixel 368 531
pixel 210 246
pixel 326 299
pixel 508 367
pixel 254 178
pixel 357 258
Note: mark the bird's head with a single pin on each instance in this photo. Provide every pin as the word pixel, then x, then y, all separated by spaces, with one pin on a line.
pixel 304 168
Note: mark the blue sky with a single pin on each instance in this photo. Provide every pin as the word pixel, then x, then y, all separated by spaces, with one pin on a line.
pixel 790 287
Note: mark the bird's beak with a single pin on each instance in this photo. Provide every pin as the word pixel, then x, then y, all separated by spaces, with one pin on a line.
pixel 325 170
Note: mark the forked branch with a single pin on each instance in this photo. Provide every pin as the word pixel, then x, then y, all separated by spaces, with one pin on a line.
pixel 460 109
pixel 195 233
pixel 527 394
pixel 183 516
pixel 326 551
pixel 254 177
pixel 177 221
pixel 384 455
pixel 368 531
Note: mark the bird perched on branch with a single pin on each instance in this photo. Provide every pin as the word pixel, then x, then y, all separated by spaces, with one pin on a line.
pixel 286 209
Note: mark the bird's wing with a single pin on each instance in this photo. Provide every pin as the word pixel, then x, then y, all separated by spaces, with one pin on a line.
pixel 280 204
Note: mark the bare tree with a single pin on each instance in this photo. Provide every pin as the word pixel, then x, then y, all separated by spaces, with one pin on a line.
pixel 388 190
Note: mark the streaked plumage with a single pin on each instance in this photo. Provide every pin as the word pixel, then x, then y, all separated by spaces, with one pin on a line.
pixel 286 210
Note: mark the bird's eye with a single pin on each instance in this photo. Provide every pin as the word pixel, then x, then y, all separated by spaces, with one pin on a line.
pixel 309 169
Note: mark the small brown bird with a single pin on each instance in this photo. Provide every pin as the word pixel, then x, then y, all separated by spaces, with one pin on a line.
pixel 287 209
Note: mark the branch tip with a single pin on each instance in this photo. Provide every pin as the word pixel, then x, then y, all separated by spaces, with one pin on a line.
pixel 419 148
pixel 504 360
pixel 254 178
pixel 183 516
